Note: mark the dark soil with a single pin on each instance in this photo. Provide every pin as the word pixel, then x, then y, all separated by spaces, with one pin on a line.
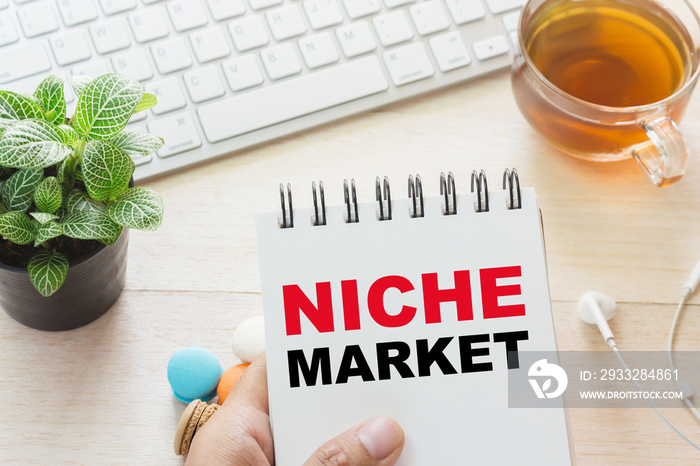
pixel 18 256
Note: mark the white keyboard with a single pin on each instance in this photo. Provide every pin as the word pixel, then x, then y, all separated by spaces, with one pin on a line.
pixel 229 74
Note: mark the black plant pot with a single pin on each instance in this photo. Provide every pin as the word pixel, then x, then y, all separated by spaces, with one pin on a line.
pixel 93 284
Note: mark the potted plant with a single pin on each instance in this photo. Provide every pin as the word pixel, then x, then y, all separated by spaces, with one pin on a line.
pixel 67 198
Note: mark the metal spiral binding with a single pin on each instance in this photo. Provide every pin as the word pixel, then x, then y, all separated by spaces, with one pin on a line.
pixel 479 185
pixel 287 223
pixel 415 190
pixel 319 221
pixel 387 198
pixel 350 218
pixel 482 190
pixel 447 188
pixel 510 178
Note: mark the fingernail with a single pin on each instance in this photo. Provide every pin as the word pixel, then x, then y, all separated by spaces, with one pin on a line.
pixel 380 436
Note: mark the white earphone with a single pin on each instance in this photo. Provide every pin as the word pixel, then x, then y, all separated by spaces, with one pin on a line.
pixel 597 308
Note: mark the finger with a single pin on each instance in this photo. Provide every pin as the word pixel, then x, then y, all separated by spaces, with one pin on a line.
pixel 375 442
pixel 251 387
pixel 249 404
pixel 239 432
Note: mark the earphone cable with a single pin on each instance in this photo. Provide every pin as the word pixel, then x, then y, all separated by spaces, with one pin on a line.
pixel 671 334
pixel 653 406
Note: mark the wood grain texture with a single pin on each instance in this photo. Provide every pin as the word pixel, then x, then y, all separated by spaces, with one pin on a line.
pixel 99 395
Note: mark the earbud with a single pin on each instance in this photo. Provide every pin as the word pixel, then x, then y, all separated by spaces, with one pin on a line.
pixel 597 308
pixel 693 281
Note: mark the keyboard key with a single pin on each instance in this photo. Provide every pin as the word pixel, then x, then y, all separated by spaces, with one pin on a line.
pixel 450 51
pixel 4 4
pixel 210 44
pixel 242 72
pixel 392 28
pixel 111 7
pixel 514 38
pixel 395 3
pixel 280 61
pixel 186 14
pixel 429 17
pixel 133 63
pixel 225 9
pixel 169 94
pixel 285 22
pixel 511 20
pixel 136 117
pixel 179 133
pixel 204 84
pixel 499 6
pixel 23 60
pixel 355 39
pixel 464 11
pixel 303 95
pixel 93 68
pixel 109 36
pixel 77 11
pixel 149 24
pixel 408 64
pixel 360 8
pixel 171 55
pixel 248 33
pixel 318 50
pixel 142 160
pixel 37 19
pixel 491 47
pixel 70 47
pixel 322 13
pixel 8 32
pixel 260 4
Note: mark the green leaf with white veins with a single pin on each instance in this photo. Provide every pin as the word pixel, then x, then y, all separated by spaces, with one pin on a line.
pixel 46 232
pixel 48 196
pixel 61 173
pixel 32 144
pixel 50 95
pixel 137 143
pixel 17 227
pixel 18 191
pixel 106 170
pixel 47 271
pixel 140 208
pixel 78 201
pixel 147 101
pixel 70 136
pixel 90 225
pixel 79 82
pixel 43 217
pixel 105 106
pixel 15 107
pixel 109 241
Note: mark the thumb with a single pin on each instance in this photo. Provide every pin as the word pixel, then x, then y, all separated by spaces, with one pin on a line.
pixel 375 442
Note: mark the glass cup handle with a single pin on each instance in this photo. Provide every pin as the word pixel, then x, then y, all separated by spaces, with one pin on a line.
pixel 665 156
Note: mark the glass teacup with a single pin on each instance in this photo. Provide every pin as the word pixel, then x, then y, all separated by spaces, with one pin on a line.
pixel 605 80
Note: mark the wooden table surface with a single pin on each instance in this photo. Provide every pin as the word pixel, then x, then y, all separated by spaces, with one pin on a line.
pixel 100 395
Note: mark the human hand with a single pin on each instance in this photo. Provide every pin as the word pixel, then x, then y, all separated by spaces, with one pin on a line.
pixel 238 434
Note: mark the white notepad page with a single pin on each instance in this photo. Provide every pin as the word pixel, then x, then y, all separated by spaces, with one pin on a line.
pixel 448 419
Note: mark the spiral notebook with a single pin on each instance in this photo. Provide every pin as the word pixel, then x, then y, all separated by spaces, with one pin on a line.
pixel 404 307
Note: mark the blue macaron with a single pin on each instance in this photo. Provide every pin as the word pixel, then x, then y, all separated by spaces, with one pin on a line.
pixel 193 374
